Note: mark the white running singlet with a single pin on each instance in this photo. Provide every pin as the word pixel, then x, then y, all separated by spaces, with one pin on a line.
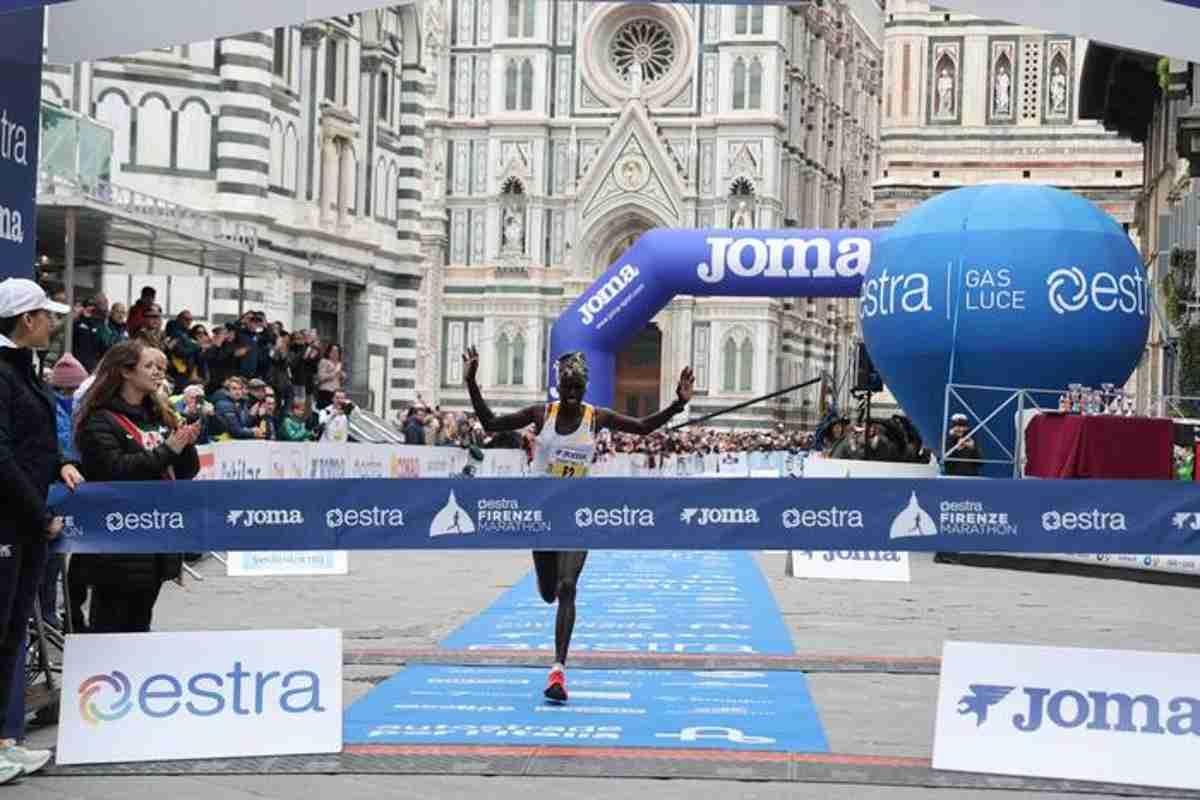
pixel 570 455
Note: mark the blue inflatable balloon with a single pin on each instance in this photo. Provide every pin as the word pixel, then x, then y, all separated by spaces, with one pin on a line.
pixel 1015 286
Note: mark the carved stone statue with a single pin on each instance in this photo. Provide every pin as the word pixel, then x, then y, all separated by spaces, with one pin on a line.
pixel 1002 104
pixel 514 236
pixel 945 94
pixel 1058 91
pixel 743 217
pixel 635 79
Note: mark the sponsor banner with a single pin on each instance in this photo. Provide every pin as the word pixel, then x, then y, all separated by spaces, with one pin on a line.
pixel 279 563
pixel 732 710
pixel 998 516
pixel 161 696
pixel 20 104
pixel 673 602
pixel 850 565
pixel 818 466
pixel 1054 712
pixel 1179 565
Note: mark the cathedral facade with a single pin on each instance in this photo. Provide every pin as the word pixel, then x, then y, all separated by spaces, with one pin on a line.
pixel 558 132
pixel 449 173
pixel 970 100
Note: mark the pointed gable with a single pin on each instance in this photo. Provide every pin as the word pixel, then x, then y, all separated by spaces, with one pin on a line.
pixel 633 163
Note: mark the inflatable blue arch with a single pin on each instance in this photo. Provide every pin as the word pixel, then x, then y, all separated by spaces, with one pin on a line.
pixel 665 263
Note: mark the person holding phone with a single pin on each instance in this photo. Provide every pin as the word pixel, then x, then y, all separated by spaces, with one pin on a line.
pixel 127 431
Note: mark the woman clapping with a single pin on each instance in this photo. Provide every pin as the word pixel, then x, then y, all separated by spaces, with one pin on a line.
pixel 128 432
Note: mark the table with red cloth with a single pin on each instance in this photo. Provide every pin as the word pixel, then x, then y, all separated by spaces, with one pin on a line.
pixel 1078 446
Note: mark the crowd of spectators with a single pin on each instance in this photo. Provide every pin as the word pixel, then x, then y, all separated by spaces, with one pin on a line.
pixel 248 379
pixel 254 380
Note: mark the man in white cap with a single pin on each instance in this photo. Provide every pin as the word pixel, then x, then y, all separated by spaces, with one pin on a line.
pixel 964 460
pixel 29 462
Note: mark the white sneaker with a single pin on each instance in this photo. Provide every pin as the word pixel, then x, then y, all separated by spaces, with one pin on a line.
pixel 10 772
pixel 29 760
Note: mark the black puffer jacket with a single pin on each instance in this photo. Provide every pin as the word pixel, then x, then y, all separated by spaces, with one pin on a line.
pixel 29 456
pixel 109 453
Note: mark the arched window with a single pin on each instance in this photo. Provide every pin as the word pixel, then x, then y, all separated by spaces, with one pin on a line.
pixel 194 146
pixel 291 152
pixel 739 84
pixel 527 85
pixel 754 91
pixel 746 356
pixel 393 191
pixel 729 365
pixel 153 132
pixel 276 173
pixel 511 89
pixel 502 359
pixel 518 360
pixel 113 110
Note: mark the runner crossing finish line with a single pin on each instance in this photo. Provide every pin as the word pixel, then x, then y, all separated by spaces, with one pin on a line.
pixel 565 447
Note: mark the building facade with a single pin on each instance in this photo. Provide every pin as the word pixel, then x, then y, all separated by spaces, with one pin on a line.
pixel 970 100
pixel 456 172
pixel 1155 104
pixel 558 132
pixel 311 139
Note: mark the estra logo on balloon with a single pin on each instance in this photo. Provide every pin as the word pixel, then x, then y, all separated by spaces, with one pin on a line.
pixel 110 697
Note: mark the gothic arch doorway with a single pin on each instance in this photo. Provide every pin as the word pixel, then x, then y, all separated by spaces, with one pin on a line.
pixel 639 363
pixel 639 368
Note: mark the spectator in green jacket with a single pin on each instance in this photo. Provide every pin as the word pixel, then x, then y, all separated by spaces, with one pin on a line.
pixel 294 428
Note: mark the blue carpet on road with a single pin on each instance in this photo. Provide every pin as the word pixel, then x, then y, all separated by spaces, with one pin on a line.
pixel 646 601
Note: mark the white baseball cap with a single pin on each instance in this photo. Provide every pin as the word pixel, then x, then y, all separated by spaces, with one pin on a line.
pixel 21 295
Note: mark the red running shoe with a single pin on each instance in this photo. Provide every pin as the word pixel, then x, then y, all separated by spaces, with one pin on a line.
pixel 556 688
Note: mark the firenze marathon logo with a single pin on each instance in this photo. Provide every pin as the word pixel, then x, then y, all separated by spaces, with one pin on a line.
pixel 258 517
pixel 156 520
pixel 108 697
pixel 822 518
pixel 969 518
pixel 1036 707
pixel 492 515
pixel 92 707
pixel 719 516
pixel 1084 521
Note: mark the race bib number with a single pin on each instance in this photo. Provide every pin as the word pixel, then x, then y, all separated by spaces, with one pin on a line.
pixel 562 470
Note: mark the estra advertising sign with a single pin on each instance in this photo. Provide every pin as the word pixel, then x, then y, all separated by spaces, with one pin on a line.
pixel 162 696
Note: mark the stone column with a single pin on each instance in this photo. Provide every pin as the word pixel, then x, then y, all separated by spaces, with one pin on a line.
pixel 329 187
pixel 346 182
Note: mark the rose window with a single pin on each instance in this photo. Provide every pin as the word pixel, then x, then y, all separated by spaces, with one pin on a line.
pixel 646 42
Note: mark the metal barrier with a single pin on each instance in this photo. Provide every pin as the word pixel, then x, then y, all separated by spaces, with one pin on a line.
pixel 1025 402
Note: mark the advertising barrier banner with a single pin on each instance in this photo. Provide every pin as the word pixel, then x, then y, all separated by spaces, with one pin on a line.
pixel 1055 712
pixel 995 516
pixel 850 565
pixel 158 696
pixel 20 102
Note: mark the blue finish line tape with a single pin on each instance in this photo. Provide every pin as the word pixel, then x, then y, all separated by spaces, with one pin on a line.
pixel 1031 516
